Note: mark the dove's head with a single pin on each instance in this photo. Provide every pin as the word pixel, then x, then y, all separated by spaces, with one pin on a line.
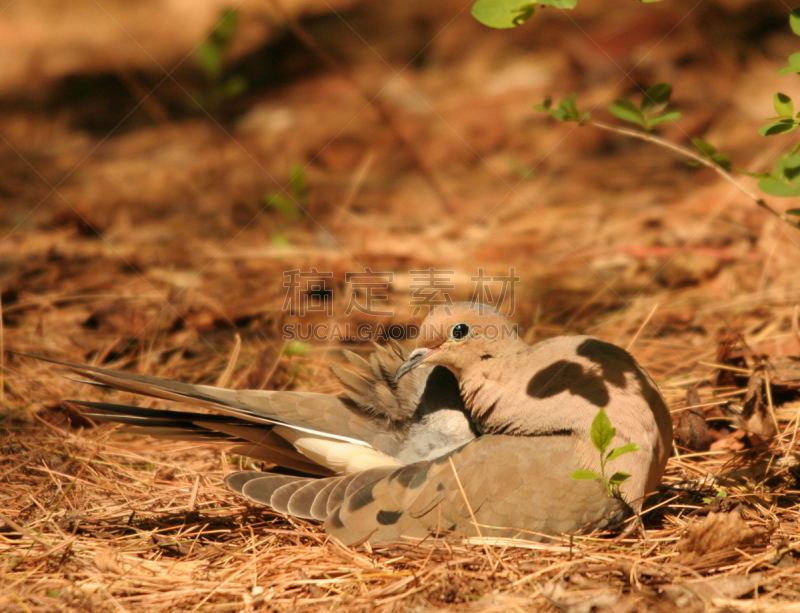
pixel 460 336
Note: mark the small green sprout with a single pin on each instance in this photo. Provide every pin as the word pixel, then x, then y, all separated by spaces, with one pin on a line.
pixel 296 348
pixel 720 494
pixel 291 206
pixel 602 436
pixel 210 56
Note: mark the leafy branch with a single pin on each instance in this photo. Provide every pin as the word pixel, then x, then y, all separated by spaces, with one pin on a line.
pixel 652 111
pixel 784 179
pixel 602 436
pixel 502 14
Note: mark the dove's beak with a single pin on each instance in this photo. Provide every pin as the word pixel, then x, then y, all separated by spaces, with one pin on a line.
pixel 414 359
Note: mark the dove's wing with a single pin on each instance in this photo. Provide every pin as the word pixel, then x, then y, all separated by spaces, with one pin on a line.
pixel 514 486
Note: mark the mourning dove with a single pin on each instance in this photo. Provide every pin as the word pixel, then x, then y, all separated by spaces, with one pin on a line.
pixel 474 432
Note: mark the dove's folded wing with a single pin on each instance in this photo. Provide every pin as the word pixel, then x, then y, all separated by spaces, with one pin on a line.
pixel 513 486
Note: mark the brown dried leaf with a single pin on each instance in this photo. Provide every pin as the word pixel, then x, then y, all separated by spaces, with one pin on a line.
pixel 717 532
pixel 703 590
pixel 731 350
pixel 732 442
pixel 756 418
pixel 692 431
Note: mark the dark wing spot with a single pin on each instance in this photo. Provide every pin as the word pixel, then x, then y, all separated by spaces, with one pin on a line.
pixel 564 375
pixel 387 518
pixel 440 487
pixel 335 519
pixel 613 361
pixel 420 477
pixel 486 356
pixel 405 475
pixel 361 498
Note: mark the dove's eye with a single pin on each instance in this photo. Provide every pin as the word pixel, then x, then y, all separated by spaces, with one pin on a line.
pixel 459 332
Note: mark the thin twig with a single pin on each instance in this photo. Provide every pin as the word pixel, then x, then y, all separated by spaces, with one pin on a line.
pixel 639 331
pixel 356 183
pixel 700 159
pixel 471 513
pixel 770 405
pixel 22 530
pixel 193 496
pixel 226 374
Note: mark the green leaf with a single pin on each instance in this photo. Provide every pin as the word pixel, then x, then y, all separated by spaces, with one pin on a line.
pixel 656 96
pixel 602 431
pixel 210 58
pixel 788 166
pixel 525 13
pixel 584 475
pixel 652 122
pixel 544 107
pixel 722 160
pixel 559 4
pixel 794 21
pixel 776 187
pixel 297 179
pixel 618 478
pixel 53 593
pixel 567 110
pixel 296 348
pixel 793 211
pixel 280 240
pixel 704 146
pixel 618 451
pixel 627 111
pixel 503 13
pixel 225 30
pixel 794 64
pixel 778 127
pixel 234 86
pixel 783 105
pixel 569 106
pixel 285 206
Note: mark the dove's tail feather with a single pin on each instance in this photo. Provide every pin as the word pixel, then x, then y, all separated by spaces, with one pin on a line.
pixel 322 415
pixel 299 497
pixel 314 434
pixel 252 440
